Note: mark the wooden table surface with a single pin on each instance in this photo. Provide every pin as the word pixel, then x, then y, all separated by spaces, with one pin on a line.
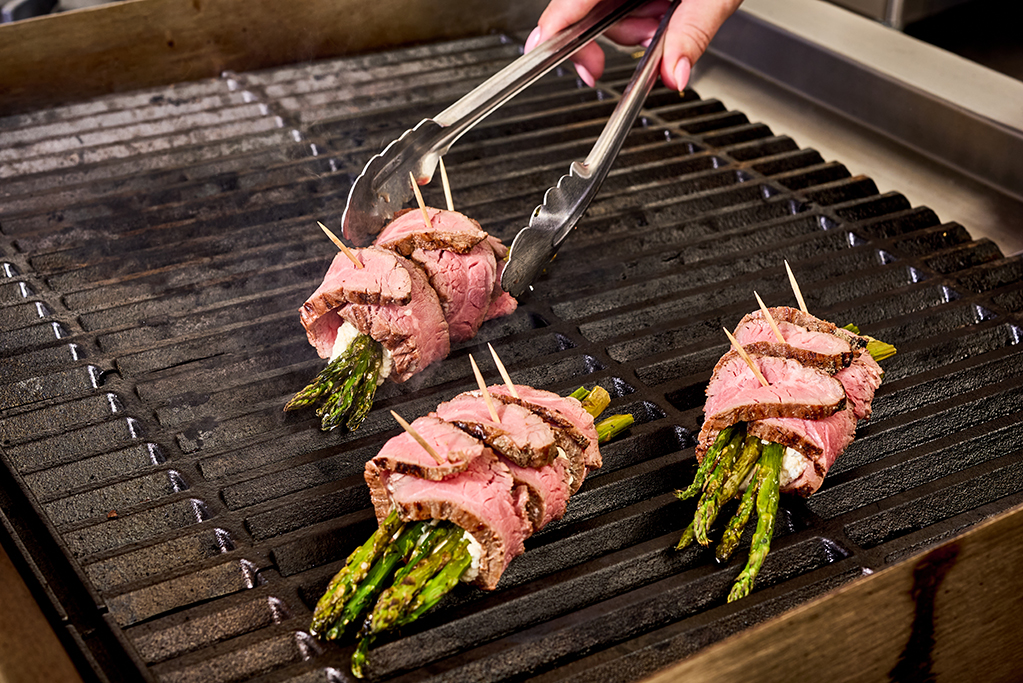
pixel 29 649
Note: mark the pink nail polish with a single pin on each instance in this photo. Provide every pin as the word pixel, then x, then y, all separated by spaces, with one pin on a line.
pixel 533 40
pixel 681 74
pixel 584 74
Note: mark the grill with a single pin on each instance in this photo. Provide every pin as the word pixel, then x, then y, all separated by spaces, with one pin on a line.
pixel 156 246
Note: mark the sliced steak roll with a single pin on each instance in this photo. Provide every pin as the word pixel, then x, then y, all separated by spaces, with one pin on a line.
pixel 459 260
pixel 521 436
pixel 381 280
pixel 794 390
pixel 448 230
pixel 823 350
pixel 574 430
pixel 548 488
pixel 484 500
pixel 416 333
pixel 390 299
pixel 819 441
pixel 404 455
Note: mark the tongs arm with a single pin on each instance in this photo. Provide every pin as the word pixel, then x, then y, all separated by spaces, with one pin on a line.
pixel 524 71
pixel 383 187
pixel 563 205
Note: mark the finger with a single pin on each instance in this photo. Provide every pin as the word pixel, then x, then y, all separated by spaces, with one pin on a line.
pixel 589 63
pixel 694 24
pixel 633 30
pixel 562 13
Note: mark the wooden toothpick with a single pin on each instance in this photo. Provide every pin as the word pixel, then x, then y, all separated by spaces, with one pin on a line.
pixel 447 185
pixel 419 200
pixel 503 371
pixel 795 288
pixel 340 245
pixel 415 435
pixel 770 318
pixel 745 356
pixel 483 388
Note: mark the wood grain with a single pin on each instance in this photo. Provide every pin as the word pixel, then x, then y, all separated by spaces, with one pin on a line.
pixel 142 43
pixel 29 649
pixel 951 613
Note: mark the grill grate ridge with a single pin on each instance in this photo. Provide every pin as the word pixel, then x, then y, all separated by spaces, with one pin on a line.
pixel 155 247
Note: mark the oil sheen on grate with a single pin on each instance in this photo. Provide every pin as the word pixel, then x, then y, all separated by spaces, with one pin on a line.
pixel 156 247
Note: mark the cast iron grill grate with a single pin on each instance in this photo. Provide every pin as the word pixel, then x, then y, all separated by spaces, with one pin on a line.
pixel 156 246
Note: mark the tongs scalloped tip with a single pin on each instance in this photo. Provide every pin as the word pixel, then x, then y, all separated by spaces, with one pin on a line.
pixel 383 188
pixel 549 225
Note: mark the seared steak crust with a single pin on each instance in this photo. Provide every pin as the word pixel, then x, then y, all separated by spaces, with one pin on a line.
pixel 520 435
pixel 829 363
pixel 448 230
pixel 404 455
pixel 567 437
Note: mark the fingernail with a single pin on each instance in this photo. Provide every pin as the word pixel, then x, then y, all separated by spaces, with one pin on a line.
pixel 533 40
pixel 682 70
pixel 585 74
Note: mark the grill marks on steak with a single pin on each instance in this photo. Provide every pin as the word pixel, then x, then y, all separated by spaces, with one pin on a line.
pixel 799 410
pixel 521 435
pixel 381 280
pixel 513 481
pixel 575 433
pixel 404 455
pixel 794 390
pixel 448 230
pixel 816 349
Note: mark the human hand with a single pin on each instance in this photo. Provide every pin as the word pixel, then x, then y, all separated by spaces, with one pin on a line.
pixel 691 28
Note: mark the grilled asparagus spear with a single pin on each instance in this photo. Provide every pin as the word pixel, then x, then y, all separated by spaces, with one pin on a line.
pixel 767 511
pixel 346 387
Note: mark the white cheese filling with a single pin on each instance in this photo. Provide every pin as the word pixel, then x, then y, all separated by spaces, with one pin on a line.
pixel 474 548
pixel 346 334
pixel 568 466
pixel 475 552
pixel 792 465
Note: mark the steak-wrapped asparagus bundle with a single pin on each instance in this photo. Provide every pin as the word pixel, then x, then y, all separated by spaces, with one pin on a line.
pixel 456 496
pixel 389 310
pixel 778 432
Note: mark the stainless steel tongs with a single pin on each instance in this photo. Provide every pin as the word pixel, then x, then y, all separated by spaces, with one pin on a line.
pixel 383 188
